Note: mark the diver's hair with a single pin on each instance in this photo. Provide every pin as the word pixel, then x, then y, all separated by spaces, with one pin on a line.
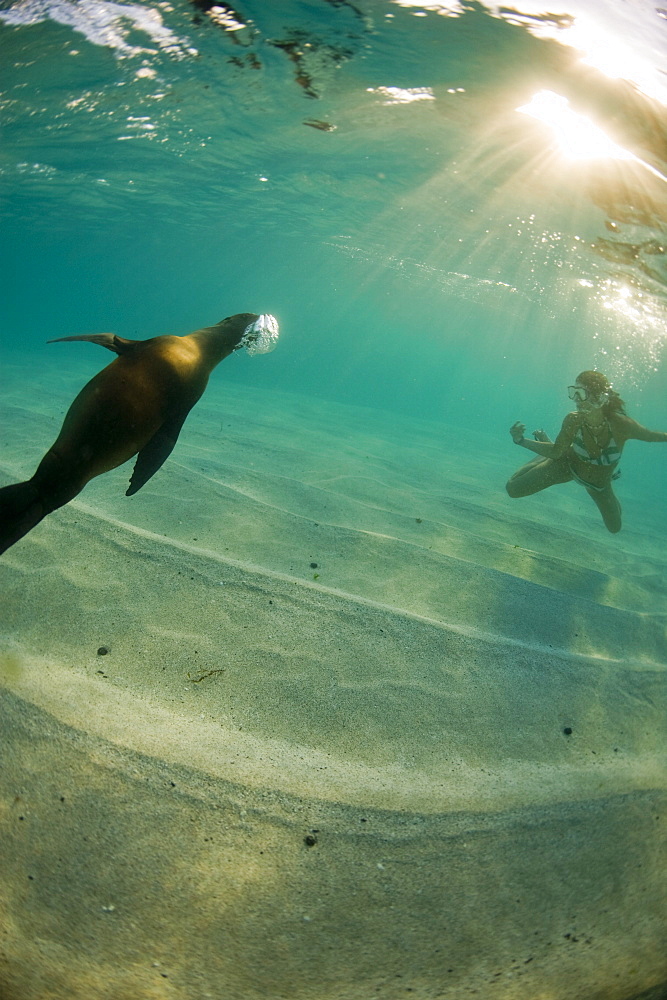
pixel 597 383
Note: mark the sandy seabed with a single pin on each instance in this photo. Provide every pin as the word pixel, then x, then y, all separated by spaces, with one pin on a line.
pixel 364 727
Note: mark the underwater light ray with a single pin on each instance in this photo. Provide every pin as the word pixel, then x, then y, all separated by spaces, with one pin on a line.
pixel 503 179
pixel 519 181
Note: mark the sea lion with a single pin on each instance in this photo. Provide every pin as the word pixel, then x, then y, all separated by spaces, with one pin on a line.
pixel 135 406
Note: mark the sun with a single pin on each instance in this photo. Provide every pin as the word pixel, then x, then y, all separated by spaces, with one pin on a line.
pixel 577 136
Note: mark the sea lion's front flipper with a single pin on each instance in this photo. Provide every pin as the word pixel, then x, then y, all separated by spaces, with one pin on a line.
pixel 119 345
pixel 155 453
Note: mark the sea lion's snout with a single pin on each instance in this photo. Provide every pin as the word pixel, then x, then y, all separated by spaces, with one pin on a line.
pixel 261 336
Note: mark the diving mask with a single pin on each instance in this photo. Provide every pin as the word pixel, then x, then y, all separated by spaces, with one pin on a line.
pixel 581 395
pixel 261 336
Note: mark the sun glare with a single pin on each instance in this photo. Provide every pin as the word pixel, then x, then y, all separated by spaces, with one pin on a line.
pixel 577 136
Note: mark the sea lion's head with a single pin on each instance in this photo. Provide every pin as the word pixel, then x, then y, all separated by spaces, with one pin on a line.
pixel 258 334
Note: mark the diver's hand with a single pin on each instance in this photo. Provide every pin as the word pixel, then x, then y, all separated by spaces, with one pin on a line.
pixel 517 430
pixel 541 435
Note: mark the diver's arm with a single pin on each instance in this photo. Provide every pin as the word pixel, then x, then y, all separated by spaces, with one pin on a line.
pixel 632 430
pixel 547 449
pixel 544 448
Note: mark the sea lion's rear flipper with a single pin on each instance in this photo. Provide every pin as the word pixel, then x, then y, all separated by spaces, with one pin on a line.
pixel 21 508
pixel 119 345
pixel 155 453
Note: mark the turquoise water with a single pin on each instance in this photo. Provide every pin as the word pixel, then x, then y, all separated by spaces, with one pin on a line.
pixel 435 255
pixel 324 615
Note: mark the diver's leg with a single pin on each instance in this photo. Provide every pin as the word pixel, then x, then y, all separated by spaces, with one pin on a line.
pixel 529 465
pixel 538 475
pixel 539 435
pixel 608 505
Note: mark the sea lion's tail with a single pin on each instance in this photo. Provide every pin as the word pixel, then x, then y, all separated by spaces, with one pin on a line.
pixel 21 508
